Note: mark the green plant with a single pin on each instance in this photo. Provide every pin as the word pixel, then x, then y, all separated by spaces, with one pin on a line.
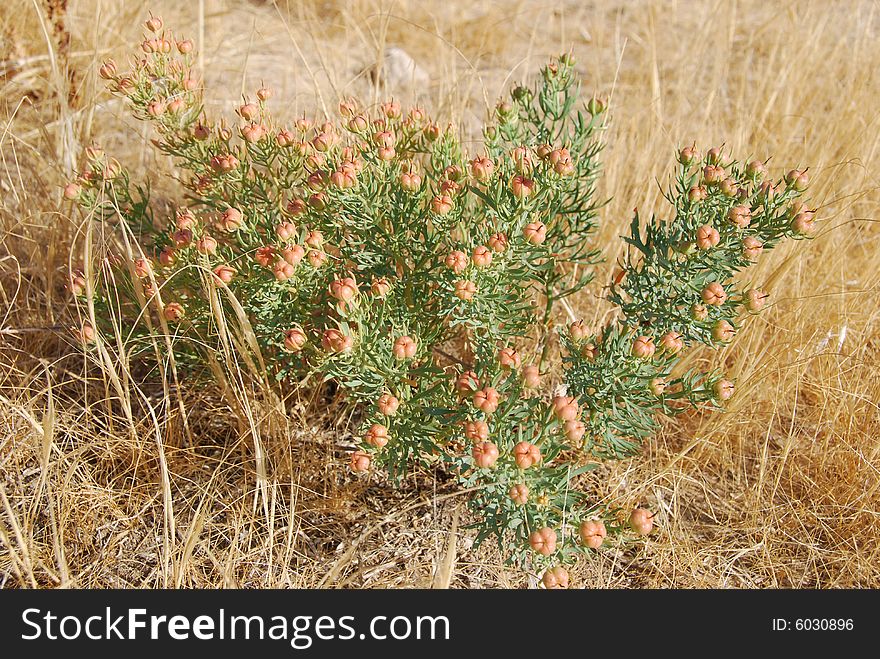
pixel 378 254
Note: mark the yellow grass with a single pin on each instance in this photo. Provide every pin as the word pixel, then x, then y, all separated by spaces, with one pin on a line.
pixel 103 484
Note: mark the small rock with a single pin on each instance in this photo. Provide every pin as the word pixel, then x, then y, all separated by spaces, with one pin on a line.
pixel 399 69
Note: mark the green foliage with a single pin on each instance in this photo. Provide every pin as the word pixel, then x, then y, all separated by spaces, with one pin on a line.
pixel 377 253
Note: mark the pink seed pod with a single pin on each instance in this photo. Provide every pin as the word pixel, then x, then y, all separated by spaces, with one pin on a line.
pixel 143 268
pixel 323 142
pixel 457 261
pixel 166 256
pixel 522 186
pixel 294 254
pixel 384 138
pixel 713 174
pixel 86 333
pixel 294 339
pixel 442 204
pixel 756 170
pixel 432 132
pixel 740 216
pixel 714 294
pixel 285 231
pixel 713 155
pixel 334 340
pixel 641 520
pixel 386 153
pixel 574 431
pixel 296 207
pixel 315 239
pixel 380 287
pixel 316 258
pixel 588 351
pixel 482 169
pixel 282 270
pixel 72 191
pixel 453 173
pixel 173 312
pixel 688 155
pixel 376 435
pixel 201 132
pixel 360 461
pixel 391 109
pixel 156 108
pixel 465 290
pixel 185 47
pixel 124 86
pixel 387 405
pixel 752 247
pixel 522 159
pixel 249 112
pixel 358 124
pixel 265 93
pixel 797 179
pixel 564 166
pixel 526 455
pixel 579 330
pixel 417 115
pixel 285 139
pixel 467 382
pixel 253 132
pixel 404 348
pixel 519 494
pixel 728 187
pixel 481 256
pixel 596 106
pixel 76 283
pixel 318 201
pixel 343 289
pixel 508 358
pixel 154 24
pixel 804 223
pixel 643 347
pixel 486 400
pixel 182 237
pixel 723 331
pixel 206 245
pixel 723 389
pixel 531 376
pixel 697 194
pixel 224 273
pixel 108 70
pixel 671 342
pixel 344 179
pixel 189 84
pixel 566 408
pixel 184 219
pixel 657 386
pixel 556 578
pixel 535 232
pixel 485 455
pixel 450 187
pixel 265 255
pixel 755 299
pixel 476 431
pixel 699 312
pixel 410 181
pixel 543 541
pixel 498 242
pixel 231 220
pixel 592 533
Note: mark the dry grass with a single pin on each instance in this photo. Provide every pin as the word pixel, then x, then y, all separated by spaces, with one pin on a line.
pixel 99 483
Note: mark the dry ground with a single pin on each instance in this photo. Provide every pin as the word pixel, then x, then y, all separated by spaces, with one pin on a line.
pixel 98 489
